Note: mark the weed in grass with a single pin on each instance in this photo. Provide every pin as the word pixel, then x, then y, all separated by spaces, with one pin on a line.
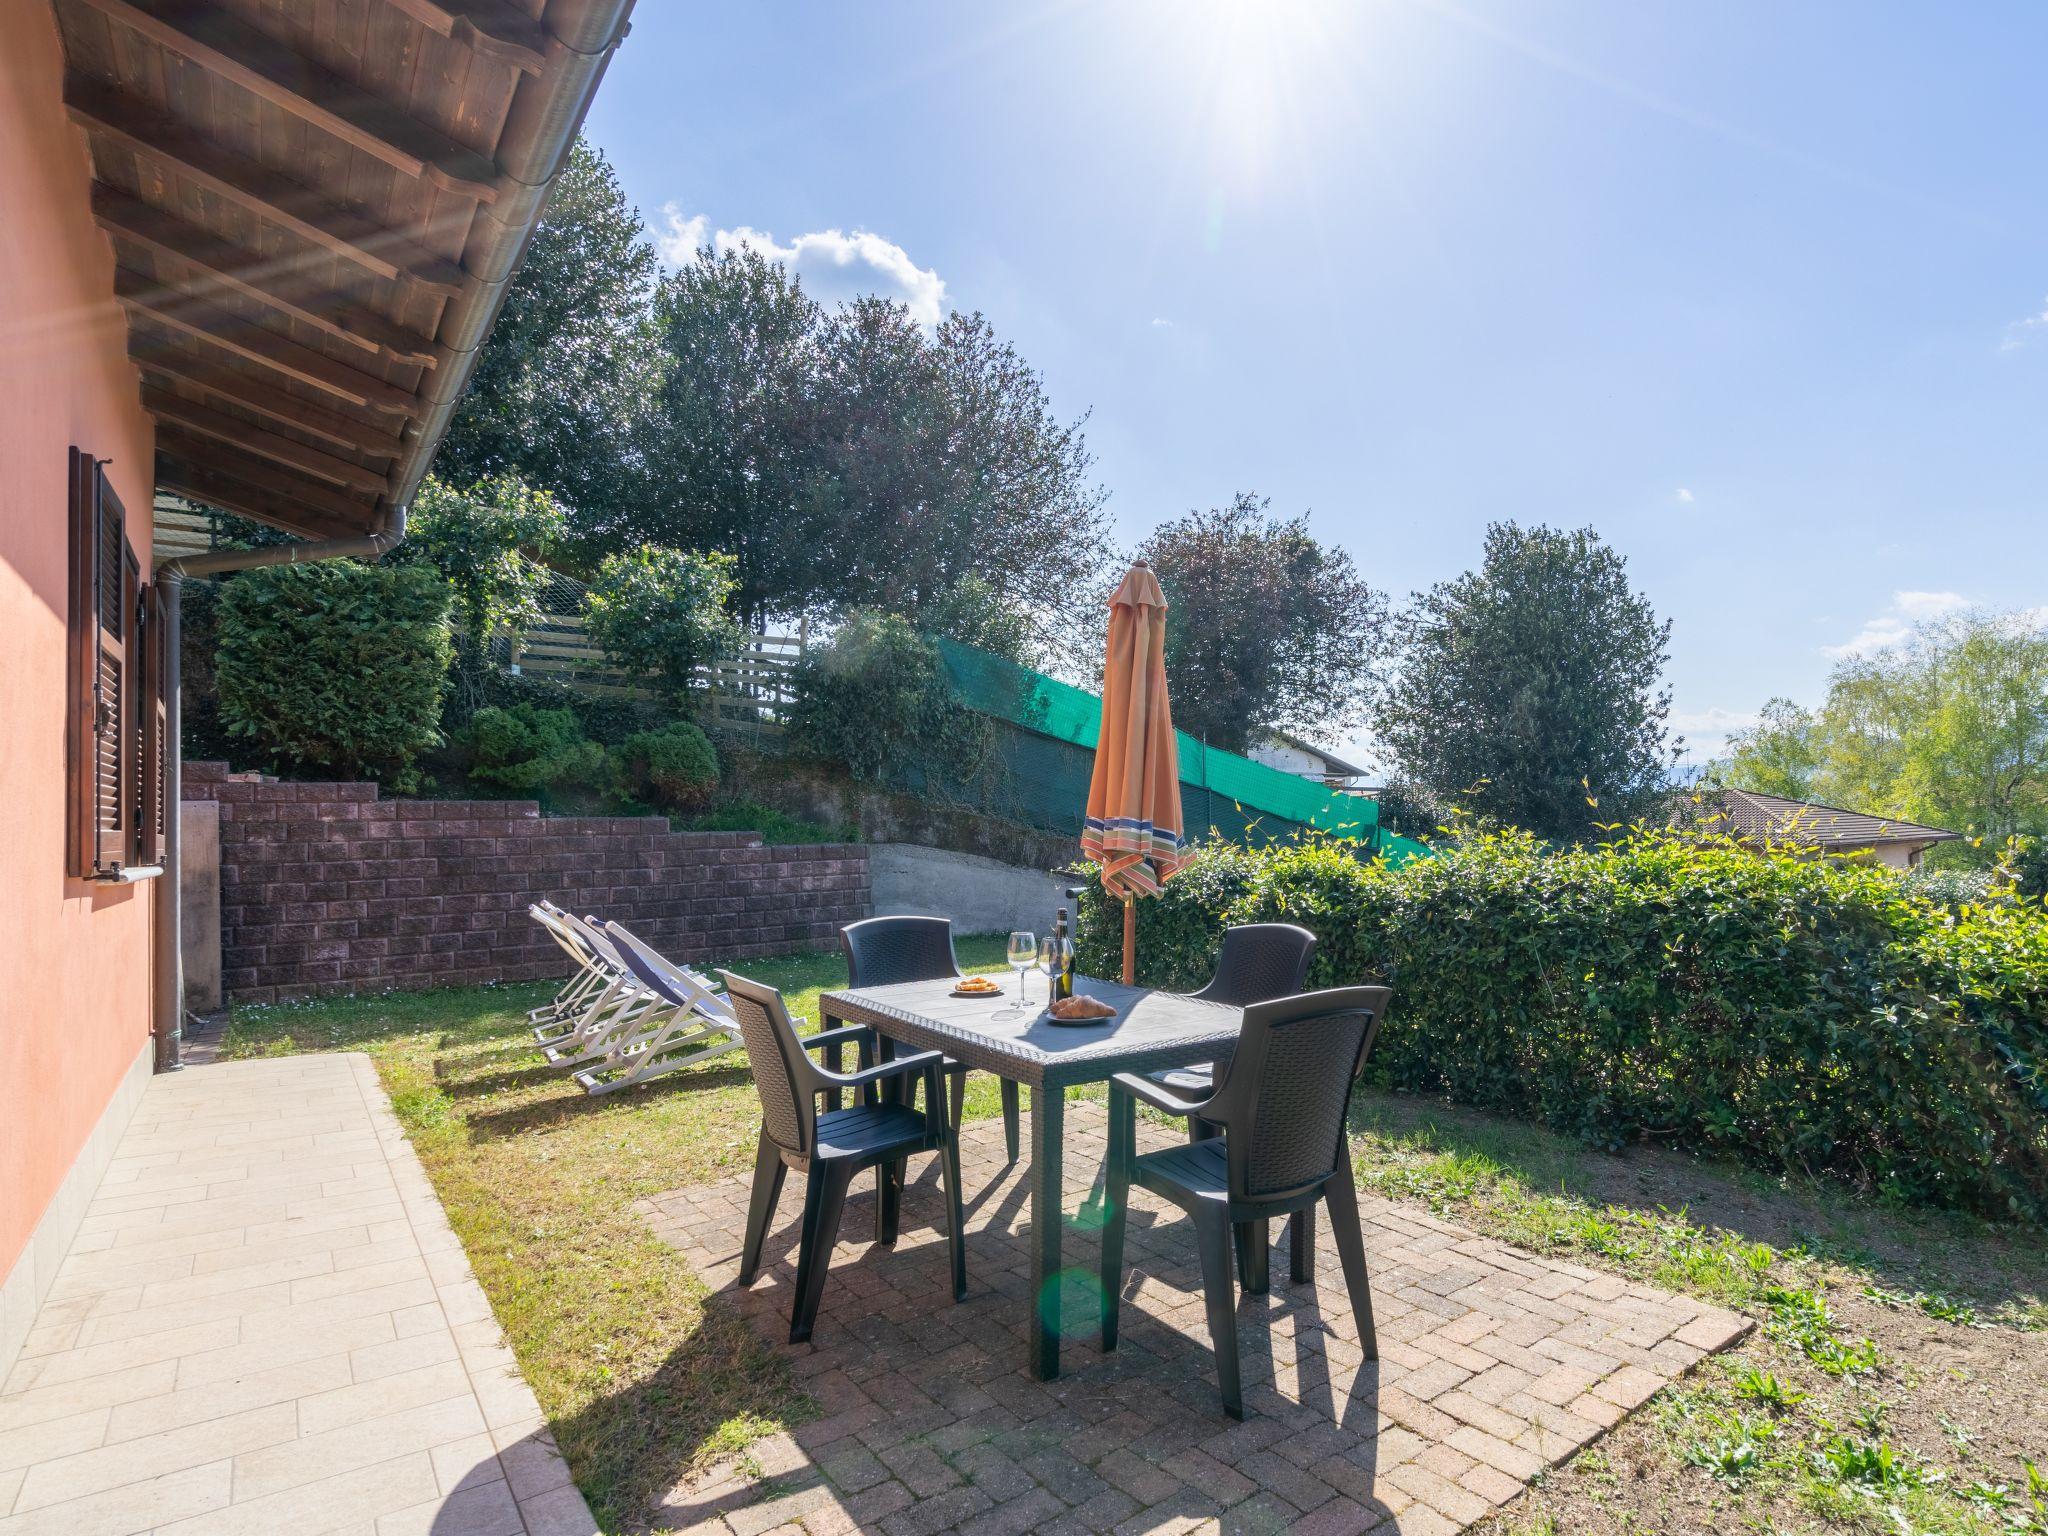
pixel 1802 1318
pixel 1870 1416
pixel 1734 1447
pixel 1945 1309
pixel 1869 1467
pixel 1767 1390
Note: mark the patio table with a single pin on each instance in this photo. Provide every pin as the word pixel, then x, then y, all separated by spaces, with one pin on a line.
pixel 1152 1030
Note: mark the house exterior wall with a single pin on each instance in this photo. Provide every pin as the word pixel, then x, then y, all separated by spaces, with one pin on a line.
pixel 75 961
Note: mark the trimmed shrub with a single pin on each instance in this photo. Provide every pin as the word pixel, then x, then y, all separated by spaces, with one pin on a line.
pixel 661 612
pixel 674 766
pixel 875 701
pixel 531 750
pixel 1807 1015
pixel 334 665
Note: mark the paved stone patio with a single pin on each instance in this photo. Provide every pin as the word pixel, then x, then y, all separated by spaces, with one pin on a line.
pixel 266 1325
pixel 1494 1363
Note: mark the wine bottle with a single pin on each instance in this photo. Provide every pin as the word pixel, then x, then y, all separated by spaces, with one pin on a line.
pixel 1063 958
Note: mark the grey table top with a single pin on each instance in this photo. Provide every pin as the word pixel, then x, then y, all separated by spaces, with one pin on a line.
pixel 1151 1029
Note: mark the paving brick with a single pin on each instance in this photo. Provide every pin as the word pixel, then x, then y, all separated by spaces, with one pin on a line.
pixel 930 1421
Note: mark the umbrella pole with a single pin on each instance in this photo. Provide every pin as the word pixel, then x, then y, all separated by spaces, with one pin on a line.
pixel 1130 940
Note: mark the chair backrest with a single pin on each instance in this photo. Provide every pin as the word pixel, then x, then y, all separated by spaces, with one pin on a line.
pixel 881 951
pixel 672 983
pixel 551 917
pixel 783 1076
pixel 1260 961
pixel 1284 1095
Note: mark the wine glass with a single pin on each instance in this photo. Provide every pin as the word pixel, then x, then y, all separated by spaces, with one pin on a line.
pixel 1048 962
pixel 1023 955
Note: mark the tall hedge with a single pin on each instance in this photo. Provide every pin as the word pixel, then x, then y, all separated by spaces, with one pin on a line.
pixel 1804 1015
pixel 335 665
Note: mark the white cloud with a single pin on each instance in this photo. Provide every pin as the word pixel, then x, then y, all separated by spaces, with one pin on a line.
pixel 1161 323
pixel 832 264
pixel 1684 497
pixel 1706 731
pixel 2020 332
pixel 1895 625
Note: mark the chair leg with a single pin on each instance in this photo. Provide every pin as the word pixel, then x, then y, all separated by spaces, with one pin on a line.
pixel 1116 1205
pixel 956 1100
pixel 1350 1235
pixel 768 1172
pixel 956 1215
pixel 1254 1242
pixel 1212 1237
pixel 1301 1245
pixel 1011 1120
pixel 1200 1130
pixel 824 1200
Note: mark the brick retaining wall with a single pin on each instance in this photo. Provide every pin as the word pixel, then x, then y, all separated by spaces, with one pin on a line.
pixel 330 888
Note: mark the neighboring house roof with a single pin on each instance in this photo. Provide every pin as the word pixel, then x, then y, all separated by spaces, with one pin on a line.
pixel 1331 762
pixel 1759 817
pixel 315 212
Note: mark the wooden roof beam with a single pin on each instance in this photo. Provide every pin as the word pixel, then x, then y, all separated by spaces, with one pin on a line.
pixel 169 359
pixel 490 27
pixel 277 284
pixel 338 507
pixel 110 113
pixel 191 416
pixel 204 484
pixel 216 39
pixel 225 329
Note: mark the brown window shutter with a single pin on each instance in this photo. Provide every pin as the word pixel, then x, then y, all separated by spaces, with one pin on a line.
pixel 150 743
pixel 82 656
pixel 102 810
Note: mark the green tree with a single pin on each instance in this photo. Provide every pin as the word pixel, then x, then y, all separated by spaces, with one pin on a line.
pixel 1529 689
pixel 875 700
pixel 853 459
pixel 730 445
pixel 335 665
pixel 663 612
pixel 1779 755
pixel 557 387
pixel 941 462
pixel 484 541
pixel 1950 729
pixel 1266 628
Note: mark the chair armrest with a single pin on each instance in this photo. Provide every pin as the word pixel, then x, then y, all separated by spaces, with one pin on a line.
pixel 857 1033
pixel 1151 1093
pixel 902 1066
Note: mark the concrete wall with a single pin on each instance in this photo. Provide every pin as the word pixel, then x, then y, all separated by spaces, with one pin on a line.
pixel 979 895
pixel 74 970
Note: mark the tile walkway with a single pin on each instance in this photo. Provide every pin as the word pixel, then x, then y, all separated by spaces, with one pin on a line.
pixel 1494 1363
pixel 266 1325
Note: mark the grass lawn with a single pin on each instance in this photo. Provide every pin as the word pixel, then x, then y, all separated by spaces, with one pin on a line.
pixel 1898 1384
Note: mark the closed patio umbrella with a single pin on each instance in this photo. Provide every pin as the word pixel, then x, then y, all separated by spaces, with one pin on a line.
pixel 1134 822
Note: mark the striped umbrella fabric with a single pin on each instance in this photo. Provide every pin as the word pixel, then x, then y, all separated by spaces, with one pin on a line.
pixel 1134 823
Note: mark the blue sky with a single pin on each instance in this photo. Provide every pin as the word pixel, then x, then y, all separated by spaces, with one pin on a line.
pixel 1758 291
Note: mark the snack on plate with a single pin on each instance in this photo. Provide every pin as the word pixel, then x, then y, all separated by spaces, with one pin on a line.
pixel 1082 1008
pixel 976 984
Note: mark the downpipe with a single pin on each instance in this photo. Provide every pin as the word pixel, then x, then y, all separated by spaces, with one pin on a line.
pixel 167 1011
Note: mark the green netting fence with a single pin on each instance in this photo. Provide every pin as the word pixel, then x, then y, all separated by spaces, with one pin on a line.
pixel 1046 732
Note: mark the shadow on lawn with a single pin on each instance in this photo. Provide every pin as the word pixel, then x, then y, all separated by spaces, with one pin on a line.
pixel 1461 1158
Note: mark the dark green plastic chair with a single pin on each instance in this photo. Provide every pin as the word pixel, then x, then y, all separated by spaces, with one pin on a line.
pixel 1280 1103
pixel 830 1148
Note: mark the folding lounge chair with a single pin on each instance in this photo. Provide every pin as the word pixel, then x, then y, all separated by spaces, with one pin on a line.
pixel 589 977
pixel 623 1011
pixel 696 1024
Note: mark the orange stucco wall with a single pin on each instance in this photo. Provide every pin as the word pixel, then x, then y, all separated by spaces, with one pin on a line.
pixel 74 958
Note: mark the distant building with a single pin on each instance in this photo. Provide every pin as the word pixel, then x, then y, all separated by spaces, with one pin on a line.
pixel 1759 818
pixel 1290 754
